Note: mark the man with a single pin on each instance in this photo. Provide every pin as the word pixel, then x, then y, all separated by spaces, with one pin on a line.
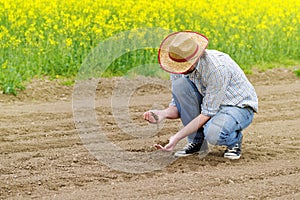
pixel 211 95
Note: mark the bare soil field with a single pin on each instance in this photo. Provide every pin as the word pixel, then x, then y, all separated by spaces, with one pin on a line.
pixel 43 157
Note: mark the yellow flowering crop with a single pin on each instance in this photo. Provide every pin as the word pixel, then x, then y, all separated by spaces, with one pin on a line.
pixel 45 37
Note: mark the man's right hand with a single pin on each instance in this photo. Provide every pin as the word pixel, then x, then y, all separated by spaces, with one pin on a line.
pixel 154 116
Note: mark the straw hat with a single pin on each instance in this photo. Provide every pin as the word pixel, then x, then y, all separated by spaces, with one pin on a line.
pixel 179 51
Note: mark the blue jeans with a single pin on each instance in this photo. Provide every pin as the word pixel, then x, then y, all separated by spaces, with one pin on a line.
pixel 225 128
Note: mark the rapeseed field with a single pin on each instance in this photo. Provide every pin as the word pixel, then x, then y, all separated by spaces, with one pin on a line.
pixel 52 37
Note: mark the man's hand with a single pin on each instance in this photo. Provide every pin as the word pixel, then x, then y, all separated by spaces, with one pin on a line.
pixel 170 146
pixel 154 116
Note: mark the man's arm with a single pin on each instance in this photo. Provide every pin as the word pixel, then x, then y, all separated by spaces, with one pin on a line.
pixel 193 126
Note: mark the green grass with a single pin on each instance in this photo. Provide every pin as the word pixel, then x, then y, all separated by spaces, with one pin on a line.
pixel 297 71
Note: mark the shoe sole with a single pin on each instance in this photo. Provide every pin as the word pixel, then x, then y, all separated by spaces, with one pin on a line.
pixel 185 155
pixel 231 157
pixel 196 153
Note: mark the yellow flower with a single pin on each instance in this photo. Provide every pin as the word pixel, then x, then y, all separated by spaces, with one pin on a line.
pixel 68 42
pixel 4 65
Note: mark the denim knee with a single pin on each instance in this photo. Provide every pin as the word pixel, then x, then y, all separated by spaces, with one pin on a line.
pixel 212 133
pixel 180 86
pixel 225 128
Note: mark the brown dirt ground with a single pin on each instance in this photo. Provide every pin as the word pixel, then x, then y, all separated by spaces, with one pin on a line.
pixel 42 155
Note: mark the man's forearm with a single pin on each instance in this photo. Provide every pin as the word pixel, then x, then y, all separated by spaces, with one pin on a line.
pixel 192 127
pixel 171 113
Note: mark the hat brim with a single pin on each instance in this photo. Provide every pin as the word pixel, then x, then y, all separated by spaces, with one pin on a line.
pixel 174 67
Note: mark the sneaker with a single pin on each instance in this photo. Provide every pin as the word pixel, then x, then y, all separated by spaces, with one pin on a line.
pixel 192 148
pixel 233 153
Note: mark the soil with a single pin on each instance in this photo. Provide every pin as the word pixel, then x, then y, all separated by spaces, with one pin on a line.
pixel 42 155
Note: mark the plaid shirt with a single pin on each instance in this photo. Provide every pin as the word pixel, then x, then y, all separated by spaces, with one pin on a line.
pixel 221 82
